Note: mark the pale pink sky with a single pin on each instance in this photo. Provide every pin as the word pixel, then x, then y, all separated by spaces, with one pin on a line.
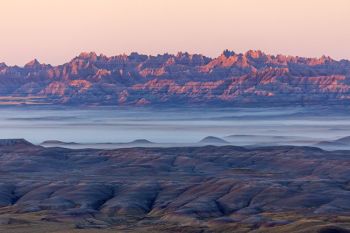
pixel 55 31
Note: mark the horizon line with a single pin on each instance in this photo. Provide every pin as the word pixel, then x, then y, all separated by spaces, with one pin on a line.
pixel 173 54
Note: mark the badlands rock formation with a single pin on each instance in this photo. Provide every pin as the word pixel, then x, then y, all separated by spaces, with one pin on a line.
pixel 252 78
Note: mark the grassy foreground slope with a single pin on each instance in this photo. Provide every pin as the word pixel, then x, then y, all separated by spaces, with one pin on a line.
pixel 202 189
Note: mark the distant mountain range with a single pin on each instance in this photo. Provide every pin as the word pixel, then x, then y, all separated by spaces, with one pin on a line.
pixel 249 79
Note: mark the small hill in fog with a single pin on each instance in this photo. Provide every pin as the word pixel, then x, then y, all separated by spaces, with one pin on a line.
pixel 141 141
pixel 212 139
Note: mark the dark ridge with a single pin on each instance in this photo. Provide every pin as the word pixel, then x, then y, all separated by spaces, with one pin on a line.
pixel 58 142
pixel 333 229
pixel 344 140
pixel 15 142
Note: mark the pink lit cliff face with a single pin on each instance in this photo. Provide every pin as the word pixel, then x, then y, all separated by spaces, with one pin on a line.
pixel 54 31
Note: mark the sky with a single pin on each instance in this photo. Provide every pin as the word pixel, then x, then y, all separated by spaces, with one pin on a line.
pixel 55 31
